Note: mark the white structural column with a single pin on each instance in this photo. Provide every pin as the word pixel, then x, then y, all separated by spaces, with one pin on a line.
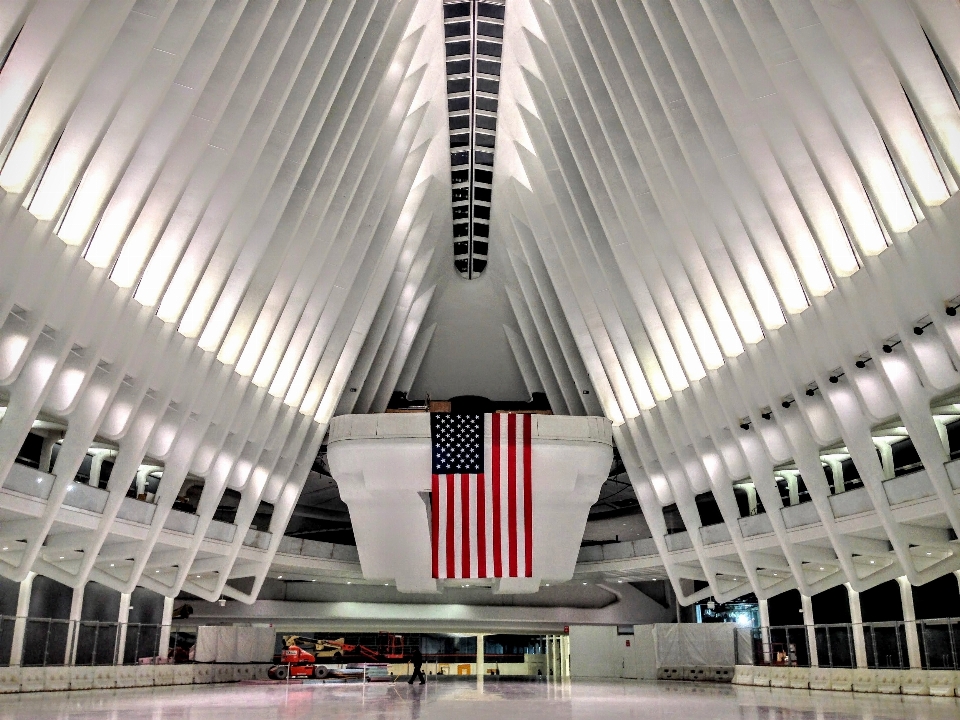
pixel 165 626
pixel 548 646
pixel 565 656
pixel 807 603
pixel 480 664
pixel 856 621
pixel 122 617
pixel 910 622
pixel 20 624
pixel 765 629
pixel 73 629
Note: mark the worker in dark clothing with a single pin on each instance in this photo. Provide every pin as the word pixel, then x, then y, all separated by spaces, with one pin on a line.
pixel 417 660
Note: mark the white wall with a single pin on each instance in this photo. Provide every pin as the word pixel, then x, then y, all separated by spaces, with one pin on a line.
pixel 596 651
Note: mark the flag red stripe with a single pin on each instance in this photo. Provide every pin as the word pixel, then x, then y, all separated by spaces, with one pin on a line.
pixel 435 508
pixel 465 524
pixel 451 564
pixel 512 490
pixel 497 559
pixel 481 528
pixel 527 495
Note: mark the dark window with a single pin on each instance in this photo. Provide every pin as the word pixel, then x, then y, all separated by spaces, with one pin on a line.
pixel 487 67
pixel 459 158
pixel 461 212
pixel 486 140
pixel 461 194
pixel 460 122
pixel 483 158
pixel 478 265
pixel 459 85
pixel 482 194
pixel 480 247
pixel 461 230
pixel 488 86
pixel 462 265
pixel 458 67
pixel 461 247
pixel 483 176
pixel 481 230
pixel 488 30
pixel 489 10
pixel 457 29
pixel 459 176
pixel 456 10
pixel 458 104
pixel 482 212
pixel 461 140
pixel 486 122
pixel 485 103
pixel 461 47
pixel 485 48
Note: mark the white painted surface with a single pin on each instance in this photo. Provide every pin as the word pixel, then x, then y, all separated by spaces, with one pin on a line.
pixel 382 465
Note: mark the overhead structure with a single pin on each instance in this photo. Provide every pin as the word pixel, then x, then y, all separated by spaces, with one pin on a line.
pixel 730 227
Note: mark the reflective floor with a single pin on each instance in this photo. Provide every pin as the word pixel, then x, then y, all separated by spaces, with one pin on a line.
pixel 465 701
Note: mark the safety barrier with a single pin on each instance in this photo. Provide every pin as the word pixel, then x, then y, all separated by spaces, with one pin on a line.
pixel 102 677
pixel 699 673
pixel 943 683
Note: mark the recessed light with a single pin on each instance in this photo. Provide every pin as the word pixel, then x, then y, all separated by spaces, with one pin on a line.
pixel 386 584
pixel 61 557
pixel 821 568
pixel 348 582
pixel 467 585
pixel 547 585
pixel 872 562
pixel 6 548
pixel 112 565
pixel 314 580
pixel 198 576
pixel 929 553
pixel 775 575
pixel 279 577
pixel 584 583
pixel 156 571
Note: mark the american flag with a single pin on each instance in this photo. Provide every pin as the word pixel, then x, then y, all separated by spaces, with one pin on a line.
pixel 482 521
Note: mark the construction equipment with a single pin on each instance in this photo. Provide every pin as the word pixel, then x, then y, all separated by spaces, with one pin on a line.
pixel 297 662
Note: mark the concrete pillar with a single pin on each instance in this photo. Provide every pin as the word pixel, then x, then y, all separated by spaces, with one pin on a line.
pixel 565 656
pixel 910 621
pixel 480 664
pixel 886 458
pixel 73 630
pixel 165 626
pixel 122 618
pixel 856 620
pixel 46 451
pixel 836 469
pixel 20 624
pixel 751 492
pixel 765 629
pixel 96 466
pixel 808 623
pixel 793 485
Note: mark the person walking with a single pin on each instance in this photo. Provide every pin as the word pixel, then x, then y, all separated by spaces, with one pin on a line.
pixel 417 660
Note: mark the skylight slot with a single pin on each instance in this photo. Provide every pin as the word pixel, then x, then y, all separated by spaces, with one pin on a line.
pixel 473 32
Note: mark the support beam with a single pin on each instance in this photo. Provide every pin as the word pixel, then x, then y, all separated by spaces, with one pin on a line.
pixel 765 629
pixel 73 629
pixel 122 618
pixel 910 622
pixel 164 645
pixel 20 624
pixel 807 603
pixel 856 620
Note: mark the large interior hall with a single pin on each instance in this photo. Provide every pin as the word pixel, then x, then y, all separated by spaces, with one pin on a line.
pixel 472 358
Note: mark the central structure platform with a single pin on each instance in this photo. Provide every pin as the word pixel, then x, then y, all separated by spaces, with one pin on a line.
pixel 382 465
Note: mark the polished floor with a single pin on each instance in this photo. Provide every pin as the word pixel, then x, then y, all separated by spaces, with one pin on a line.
pixel 465 701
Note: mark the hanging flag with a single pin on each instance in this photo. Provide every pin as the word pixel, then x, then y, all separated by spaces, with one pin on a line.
pixel 482 504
